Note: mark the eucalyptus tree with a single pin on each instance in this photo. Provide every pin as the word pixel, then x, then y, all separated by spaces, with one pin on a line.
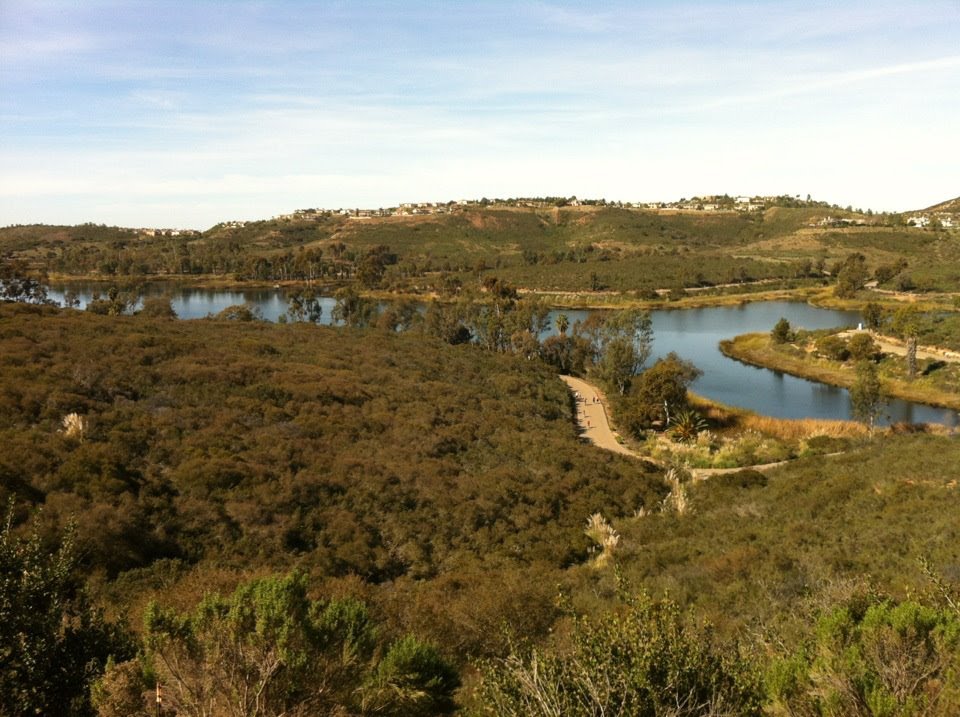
pixel 623 344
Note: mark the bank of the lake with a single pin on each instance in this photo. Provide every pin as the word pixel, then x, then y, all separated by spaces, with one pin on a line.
pixel 759 349
pixel 696 298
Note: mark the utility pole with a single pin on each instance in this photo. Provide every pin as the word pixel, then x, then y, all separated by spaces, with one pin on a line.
pixel 159 699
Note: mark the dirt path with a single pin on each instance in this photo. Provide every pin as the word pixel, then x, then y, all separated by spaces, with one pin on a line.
pixel 592 416
pixel 592 420
pixel 891 345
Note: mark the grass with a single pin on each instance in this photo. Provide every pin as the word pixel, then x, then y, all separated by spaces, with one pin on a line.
pixel 728 419
pixel 751 555
pixel 941 387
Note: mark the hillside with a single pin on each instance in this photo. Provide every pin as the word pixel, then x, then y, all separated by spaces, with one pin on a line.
pixel 566 249
pixel 253 446
pixel 952 205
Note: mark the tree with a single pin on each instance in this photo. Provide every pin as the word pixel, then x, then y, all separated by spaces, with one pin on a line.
pixel 862 347
pixel 116 303
pixel 399 316
pixel 569 354
pixel 304 305
pixel 906 325
pixel 623 342
pixel 373 265
pixel 866 395
pixel 619 364
pixel 240 312
pixel 833 347
pixel 852 276
pixel 352 309
pixel 874 316
pixel 659 393
pixel 447 322
pixel 157 307
pixel 781 332
pixel 15 285
pixel 53 644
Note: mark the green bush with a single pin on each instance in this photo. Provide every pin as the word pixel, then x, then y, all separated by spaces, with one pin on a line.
pixel 644 660
pixel 872 656
pixel 833 347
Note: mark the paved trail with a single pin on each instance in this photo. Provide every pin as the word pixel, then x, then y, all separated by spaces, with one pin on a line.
pixel 591 416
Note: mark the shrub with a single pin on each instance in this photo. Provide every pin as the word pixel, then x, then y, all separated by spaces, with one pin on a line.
pixel 746 478
pixel 872 656
pixel 644 660
pixel 833 347
pixel 862 347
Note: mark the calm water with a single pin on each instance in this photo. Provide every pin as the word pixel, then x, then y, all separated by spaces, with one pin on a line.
pixel 694 334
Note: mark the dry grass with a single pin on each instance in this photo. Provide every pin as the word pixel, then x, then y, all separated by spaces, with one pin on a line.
pixel 727 419
pixel 606 538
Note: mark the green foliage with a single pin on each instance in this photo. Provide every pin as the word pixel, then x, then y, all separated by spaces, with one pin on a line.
pixel 623 344
pixel 657 394
pixel 269 649
pixel 643 660
pixel 866 394
pixel 781 332
pixel 412 680
pixel 686 424
pixel 833 347
pixel 862 347
pixel 53 643
pixel 852 275
pixel 876 657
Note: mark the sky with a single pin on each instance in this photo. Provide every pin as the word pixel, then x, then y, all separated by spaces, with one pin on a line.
pixel 185 113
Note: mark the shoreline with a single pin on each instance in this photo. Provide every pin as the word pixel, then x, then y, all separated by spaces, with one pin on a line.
pixel 554 299
pixel 753 350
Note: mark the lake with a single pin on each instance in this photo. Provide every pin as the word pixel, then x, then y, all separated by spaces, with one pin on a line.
pixel 694 334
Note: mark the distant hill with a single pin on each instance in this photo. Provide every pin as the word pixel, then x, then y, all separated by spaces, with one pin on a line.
pixel 952 205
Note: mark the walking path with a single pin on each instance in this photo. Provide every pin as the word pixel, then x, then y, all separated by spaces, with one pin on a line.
pixel 592 420
pixel 592 416
pixel 891 345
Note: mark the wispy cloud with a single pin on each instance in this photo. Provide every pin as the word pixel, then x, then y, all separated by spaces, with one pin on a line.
pixel 344 103
pixel 830 81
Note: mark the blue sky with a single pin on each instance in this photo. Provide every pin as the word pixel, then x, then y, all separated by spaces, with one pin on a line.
pixel 182 114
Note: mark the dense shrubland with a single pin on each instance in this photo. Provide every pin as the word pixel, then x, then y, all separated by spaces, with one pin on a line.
pixel 349 453
pixel 430 497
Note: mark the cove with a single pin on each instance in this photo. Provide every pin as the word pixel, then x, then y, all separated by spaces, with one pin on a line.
pixel 694 334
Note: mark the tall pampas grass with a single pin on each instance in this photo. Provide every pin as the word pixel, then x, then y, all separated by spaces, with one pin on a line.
pixel 74 426
pixel 601 532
